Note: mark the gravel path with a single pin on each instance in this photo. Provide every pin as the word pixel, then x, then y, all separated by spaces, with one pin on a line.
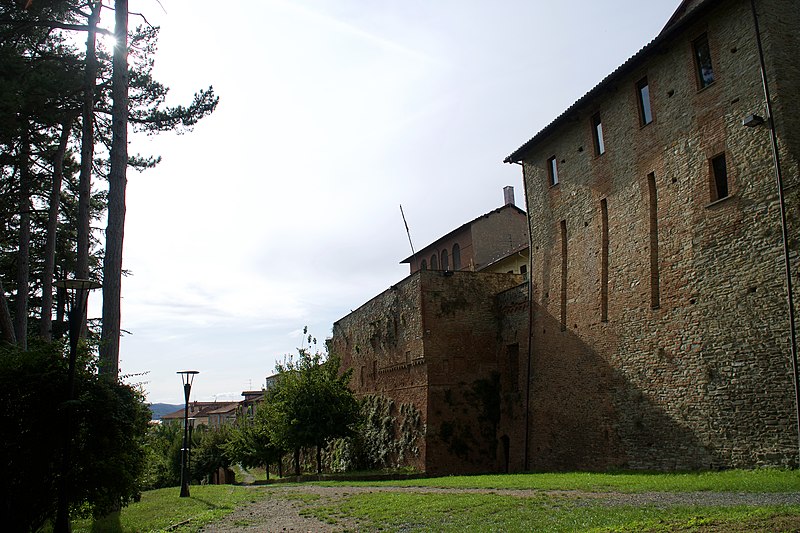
pixel 281 510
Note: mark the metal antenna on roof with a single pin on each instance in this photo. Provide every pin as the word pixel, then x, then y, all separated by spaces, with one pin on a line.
pixel 407 231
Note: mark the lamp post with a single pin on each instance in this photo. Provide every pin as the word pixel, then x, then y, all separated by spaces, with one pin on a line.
pixel 81 288
pixel 189 451
pixel 187 376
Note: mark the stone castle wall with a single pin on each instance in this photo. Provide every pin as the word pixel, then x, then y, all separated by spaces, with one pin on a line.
pixel 660 332
pixel 433 341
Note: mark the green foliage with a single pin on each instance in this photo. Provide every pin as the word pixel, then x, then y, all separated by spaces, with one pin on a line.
pixel 249 443
pixel 209 454
pixel 42 85
pixel 310 403
pixel 163 447
pixel 383 437
pixel 107 422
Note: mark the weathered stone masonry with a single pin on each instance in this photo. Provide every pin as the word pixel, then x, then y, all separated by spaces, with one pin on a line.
pixel 696 372
pixel 434 340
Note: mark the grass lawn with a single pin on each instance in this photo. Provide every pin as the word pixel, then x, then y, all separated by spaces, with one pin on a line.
pixel 401 511
pixel 491 512
pixel 163 508
pixel 469 511
pixel 764 480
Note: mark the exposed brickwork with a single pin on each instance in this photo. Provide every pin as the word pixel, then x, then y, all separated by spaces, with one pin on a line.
pixel 703 380
pixel 434 341
pixel 481 242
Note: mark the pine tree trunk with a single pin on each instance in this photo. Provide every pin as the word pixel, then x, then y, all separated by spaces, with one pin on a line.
pixel 297 462
pixel 23 253
pixel 6 325
pixel 46 324
pixel 280 466
pixel 87 146
pixel 117 182
pixel 319 459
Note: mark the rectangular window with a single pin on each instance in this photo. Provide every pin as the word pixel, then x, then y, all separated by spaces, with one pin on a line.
pixel 645 112
pixel 702 58
pixel 552 170
pixel 597 133
pixel 719 178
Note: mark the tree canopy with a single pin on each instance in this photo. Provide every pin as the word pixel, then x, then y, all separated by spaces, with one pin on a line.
pixel 108 426
pixel 57 139
pixel 310 403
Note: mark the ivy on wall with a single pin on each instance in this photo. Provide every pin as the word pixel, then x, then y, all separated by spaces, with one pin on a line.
pixel 387 437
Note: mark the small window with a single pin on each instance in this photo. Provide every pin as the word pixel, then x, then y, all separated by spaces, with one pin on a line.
pixel 719 178
pixel 552 170
pixel 702 57
pixel 423 265
pixel 597 134
pixel 445 260
pixel 456 257
pixel 524 271
pixel 434 262
pixel 645 112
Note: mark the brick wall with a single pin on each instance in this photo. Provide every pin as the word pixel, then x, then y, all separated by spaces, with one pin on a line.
pixel 434 340
pixel 699 376
pixel 382 341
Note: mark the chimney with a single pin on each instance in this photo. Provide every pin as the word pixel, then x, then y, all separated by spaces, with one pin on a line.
pixel 508 195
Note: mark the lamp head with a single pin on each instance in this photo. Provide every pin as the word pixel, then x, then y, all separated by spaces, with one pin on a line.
pixel 187 376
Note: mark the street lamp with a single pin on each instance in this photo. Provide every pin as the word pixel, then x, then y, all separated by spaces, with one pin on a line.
pixel 81 288
pixel 187 376
pixel 189 451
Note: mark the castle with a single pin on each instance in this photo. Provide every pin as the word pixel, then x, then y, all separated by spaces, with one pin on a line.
pixel 652 327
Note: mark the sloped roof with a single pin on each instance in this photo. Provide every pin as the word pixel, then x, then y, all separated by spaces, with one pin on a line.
pixel 226 407
pixel 687 11
pixel 198 409
pixel 461 228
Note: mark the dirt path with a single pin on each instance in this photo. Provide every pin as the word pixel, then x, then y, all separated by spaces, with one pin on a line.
pixel 281 510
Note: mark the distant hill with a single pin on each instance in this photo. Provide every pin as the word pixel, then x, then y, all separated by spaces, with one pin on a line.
pixel 160 409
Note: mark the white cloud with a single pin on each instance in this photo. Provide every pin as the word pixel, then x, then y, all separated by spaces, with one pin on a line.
pixel 282 209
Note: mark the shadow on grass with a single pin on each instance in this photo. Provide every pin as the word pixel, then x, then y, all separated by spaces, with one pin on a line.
pixel 209 504
pixel 107 524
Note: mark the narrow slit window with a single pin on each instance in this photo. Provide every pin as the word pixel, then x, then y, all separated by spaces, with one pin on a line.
pixel 645 111
pixel 702 58
pixel 719 178
pixel 655 285
pixel 597 134
pixel 604 261
pixel 434 262
pixel 552 170
pixel 563 275
pixel 423 265
pixel 445 260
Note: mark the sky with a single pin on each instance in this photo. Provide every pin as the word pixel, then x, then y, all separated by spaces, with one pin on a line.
pixel 282 209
